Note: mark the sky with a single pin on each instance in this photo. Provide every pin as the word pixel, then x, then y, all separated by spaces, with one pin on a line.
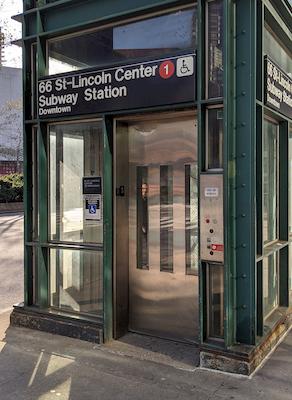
pixel 12 53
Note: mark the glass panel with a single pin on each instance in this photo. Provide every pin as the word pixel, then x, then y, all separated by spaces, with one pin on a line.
pixel 215 48
pixel 290 180
pixel 28 4
pixel 142 218
pixel 290 205
pixel 151 37
pixel 76 280
pixel 35 282
pixel 75 152
pixel 35 214
pixel 270 283
pixel 164 234
pixel 34 86
pixel 216 299
pixel 270 182
pixel 166 218
pixel 191 219
pixel 277 51
pixel 215 138
pixel 290 266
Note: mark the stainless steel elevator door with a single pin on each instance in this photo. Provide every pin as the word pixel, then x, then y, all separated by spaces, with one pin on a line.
pixel 157 224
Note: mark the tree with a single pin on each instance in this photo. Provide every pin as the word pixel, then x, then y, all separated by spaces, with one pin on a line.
pixel 1 47
pixel 11 30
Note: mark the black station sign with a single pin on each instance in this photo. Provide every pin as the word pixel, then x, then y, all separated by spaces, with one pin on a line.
pixel 152 83
pixel 92 185
pixel 278 88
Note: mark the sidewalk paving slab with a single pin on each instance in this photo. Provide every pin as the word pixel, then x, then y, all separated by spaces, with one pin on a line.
pixel 36 365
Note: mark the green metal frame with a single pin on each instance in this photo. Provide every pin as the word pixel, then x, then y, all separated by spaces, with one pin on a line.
pixel 108 228
pixel 283 213
pixel 43 296
pixel 229 170
pixel 243 121
pixel 267 13
pixel 39 19
pixel 245 188
pixel 201 153
pixel 27 195
pixel 250 112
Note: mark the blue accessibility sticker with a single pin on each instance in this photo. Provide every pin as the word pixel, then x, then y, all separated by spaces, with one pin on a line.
pixel 92 208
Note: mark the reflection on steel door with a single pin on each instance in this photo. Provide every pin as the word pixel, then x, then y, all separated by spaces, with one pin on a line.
pixel 161 193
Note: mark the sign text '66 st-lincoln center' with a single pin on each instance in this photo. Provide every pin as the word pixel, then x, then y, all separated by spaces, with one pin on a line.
pixel 151 83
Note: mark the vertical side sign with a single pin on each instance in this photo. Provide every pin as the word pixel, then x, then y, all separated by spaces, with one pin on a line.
pixel 278 88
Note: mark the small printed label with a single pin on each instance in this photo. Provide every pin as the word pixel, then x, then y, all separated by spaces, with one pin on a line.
pixel 211 192
pixel 92 185
pixel 93 207
pixel 217 247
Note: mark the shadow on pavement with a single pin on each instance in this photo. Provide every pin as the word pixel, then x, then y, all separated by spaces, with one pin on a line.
pixel 36 365
pixel 9 223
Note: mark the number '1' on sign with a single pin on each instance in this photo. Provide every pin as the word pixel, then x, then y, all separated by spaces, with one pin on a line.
pixel 166 69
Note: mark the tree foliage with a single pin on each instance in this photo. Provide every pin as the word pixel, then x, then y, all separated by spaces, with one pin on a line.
pixel 10 28
pixel 11 188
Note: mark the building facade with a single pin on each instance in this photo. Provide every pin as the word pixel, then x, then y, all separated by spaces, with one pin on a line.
pixel 11 121
pixel 158 152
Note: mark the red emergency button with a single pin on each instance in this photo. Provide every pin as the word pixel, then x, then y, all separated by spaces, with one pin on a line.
pixel 217 247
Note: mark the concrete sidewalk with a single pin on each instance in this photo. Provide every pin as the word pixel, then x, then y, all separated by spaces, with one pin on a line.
pixel 11 260
pixel 36 365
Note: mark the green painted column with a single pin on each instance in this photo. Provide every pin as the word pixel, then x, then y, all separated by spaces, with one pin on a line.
pixel 27 190
pixel 201 153
pixel 108 229
pixel 43 255
pixel 283 212
pixel 26 4
pixel 43 216
pixel 229 171
pixel 245 186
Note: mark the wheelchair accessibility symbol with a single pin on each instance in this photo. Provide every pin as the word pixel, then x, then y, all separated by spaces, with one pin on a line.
pixel 184 66
pixel 92 208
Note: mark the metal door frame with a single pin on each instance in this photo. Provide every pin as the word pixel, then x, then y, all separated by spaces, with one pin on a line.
pixel 171 114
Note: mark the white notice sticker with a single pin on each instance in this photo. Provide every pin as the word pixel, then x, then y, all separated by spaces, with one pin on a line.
pixel 92 207
pixel 211 192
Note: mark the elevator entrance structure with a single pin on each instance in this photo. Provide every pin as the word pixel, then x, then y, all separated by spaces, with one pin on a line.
pixel 157 170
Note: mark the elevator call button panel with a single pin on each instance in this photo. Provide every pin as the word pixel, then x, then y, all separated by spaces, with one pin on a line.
pixel 211 217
